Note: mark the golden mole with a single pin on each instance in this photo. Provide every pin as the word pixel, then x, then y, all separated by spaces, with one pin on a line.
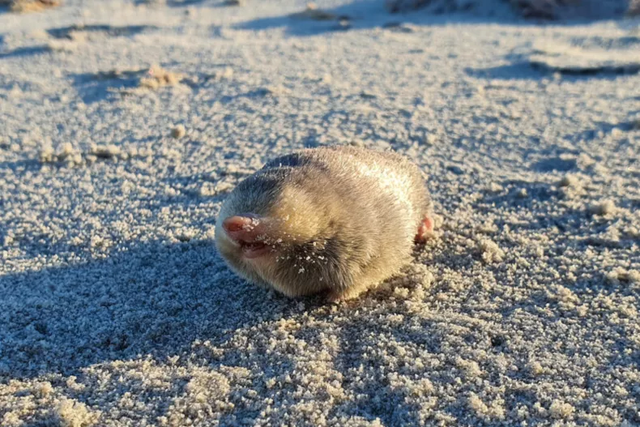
pixel 339 219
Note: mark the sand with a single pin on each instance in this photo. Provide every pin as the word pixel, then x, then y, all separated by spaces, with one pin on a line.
pixel 115 309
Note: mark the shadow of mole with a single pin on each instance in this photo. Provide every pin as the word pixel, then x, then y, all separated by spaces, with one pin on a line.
pixel 153 299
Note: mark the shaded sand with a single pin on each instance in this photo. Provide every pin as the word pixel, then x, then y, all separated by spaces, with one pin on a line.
pixel 115 309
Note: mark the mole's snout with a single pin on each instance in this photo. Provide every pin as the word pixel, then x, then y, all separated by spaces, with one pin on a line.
pixel 249 232
pixel 237 223
pixel 244 227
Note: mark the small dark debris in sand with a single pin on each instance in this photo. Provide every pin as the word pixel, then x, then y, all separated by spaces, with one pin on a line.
pixel 119 74
pixel 398 27
pixel 178 131
pixel 498 340
pixel 105 151
pixel 268 91
pixel 457 170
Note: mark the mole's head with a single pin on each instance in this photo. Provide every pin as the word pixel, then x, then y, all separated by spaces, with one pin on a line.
pixel 259 233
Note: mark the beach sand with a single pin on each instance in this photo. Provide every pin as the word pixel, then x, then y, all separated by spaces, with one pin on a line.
pixel 115 309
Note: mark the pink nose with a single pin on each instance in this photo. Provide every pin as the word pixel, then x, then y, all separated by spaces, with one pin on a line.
pixel 236 223
pixel 244 228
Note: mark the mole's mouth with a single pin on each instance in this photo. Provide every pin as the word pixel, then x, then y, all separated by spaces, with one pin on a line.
pixel 254 249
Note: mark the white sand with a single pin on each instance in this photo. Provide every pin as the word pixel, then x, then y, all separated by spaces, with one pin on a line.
pixel 116 311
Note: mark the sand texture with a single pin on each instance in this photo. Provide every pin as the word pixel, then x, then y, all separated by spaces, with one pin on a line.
pixel 124 124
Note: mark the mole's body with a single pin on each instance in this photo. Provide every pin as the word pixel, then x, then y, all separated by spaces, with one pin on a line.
pixel 339 219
